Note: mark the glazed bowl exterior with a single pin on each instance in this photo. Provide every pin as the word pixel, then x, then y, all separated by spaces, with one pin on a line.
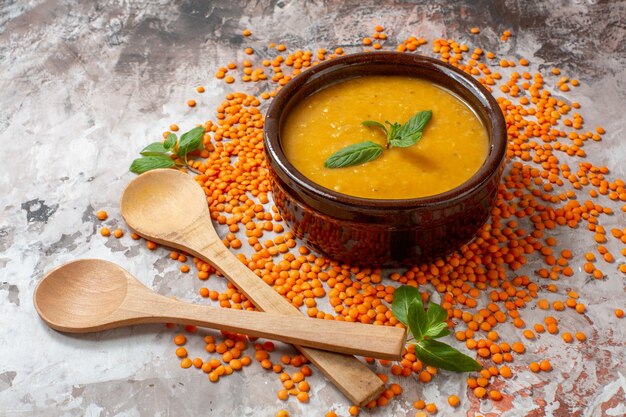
pixel 376 231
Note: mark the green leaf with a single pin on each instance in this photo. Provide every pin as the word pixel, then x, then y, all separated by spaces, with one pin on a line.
pixel 442 356
pixel 147 163
pixel 417 123
pixel 394 128
pixel 438 330
pixel 436 314
pixel 411 132
pixel 405 141
pixel 436 317
pixel 170 141
pixel 354 155
pixel 417 319
pixel 372 123
pixel 153 149
pixel 402 297
pixel 190 142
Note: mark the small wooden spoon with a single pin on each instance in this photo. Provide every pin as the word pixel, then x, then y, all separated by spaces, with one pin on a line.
pixel 167 206
pixel 90 295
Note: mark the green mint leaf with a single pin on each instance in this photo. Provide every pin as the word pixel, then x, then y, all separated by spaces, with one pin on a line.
pixel 436 317
pixel 394 128
pixel 442 356
pixel 190 142
pixel 405 141
pixel 402 297
pixel 417 319
pixel 437 331
pixel 411 132
pixel 148 163
pixel 170 141
pixel 417 123
pixel 436 314
pixel 153 149
pixel 354 155
pixel 372 123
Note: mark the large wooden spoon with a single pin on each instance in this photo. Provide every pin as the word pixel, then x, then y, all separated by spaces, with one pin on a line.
pixel 90 295
pixel 167 206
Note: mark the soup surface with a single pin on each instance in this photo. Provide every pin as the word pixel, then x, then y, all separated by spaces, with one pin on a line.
pixel 453 147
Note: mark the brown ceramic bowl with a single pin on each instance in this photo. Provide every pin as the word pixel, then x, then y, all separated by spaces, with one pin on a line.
pixel 384 232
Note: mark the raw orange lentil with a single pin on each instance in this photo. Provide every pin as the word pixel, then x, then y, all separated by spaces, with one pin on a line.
pixel 180 339
pixel 431 408
pixel 580 336
pixel 619 313
pixel 419 404
pixel 480 392
pixel 102 215
pixel 495 395
pixel 482 382
pixel 282 394
pixel 424 376
pixel 545 365
pixel 518 347
pixel 105 231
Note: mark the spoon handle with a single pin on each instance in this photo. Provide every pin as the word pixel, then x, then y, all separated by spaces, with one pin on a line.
pixel 383 342
pixel 355 380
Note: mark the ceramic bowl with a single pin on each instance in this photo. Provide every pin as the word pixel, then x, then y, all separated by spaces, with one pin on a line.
pixel 384 232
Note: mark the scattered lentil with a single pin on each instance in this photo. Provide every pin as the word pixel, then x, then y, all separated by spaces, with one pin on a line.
pixel 539 192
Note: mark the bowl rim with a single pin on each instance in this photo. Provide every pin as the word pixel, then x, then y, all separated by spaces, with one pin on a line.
pixel 489 168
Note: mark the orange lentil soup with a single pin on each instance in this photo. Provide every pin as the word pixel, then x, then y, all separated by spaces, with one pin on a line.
pixel 453 147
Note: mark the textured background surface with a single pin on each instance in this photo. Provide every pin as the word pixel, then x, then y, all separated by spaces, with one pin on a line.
pixel 84 85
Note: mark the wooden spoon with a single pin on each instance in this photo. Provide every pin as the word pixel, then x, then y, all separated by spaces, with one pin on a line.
pixel 168 207
pixel 90 295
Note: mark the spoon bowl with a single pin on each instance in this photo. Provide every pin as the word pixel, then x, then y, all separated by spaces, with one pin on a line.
pixel 81 294
pixel 162 202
